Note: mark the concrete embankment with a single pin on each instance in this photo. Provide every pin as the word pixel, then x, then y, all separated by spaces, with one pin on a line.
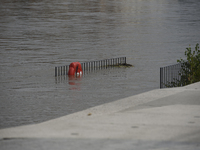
pixel 158 119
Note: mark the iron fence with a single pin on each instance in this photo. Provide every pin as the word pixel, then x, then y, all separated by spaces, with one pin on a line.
pixel 92 65
pixel 170 74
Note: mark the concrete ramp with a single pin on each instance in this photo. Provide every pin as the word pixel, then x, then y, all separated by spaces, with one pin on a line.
pixel 158 119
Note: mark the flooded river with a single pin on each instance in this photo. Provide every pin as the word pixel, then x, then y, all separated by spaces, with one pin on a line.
pixel 37 35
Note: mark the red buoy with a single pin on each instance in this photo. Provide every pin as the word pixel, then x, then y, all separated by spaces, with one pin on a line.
pixel 75 69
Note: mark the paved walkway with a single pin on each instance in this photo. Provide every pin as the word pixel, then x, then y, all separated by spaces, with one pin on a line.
pixel 155 120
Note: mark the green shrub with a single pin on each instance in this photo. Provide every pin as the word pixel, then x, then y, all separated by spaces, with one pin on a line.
pixel 190 68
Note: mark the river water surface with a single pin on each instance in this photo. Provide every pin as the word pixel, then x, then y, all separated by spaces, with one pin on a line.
pixel 37 35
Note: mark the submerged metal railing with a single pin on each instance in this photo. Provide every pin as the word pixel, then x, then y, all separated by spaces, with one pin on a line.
pixel 170 74
pixel 92 65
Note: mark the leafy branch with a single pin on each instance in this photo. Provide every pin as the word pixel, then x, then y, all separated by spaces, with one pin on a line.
pixel 190 69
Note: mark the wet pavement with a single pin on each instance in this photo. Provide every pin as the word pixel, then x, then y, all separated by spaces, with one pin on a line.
pixel 158 119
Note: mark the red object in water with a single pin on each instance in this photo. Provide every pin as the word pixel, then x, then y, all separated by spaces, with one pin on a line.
pixel 75 69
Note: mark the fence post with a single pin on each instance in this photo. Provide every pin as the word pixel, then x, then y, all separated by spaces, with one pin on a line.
pixel 56 71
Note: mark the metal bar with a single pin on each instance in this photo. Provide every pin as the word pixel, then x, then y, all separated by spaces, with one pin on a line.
pixel 99 64
pixel 164 77
pixel 63 70
pixel 84 67
pixel 160 77
pixel 112 62
pixel 56 71
pixel 67 69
